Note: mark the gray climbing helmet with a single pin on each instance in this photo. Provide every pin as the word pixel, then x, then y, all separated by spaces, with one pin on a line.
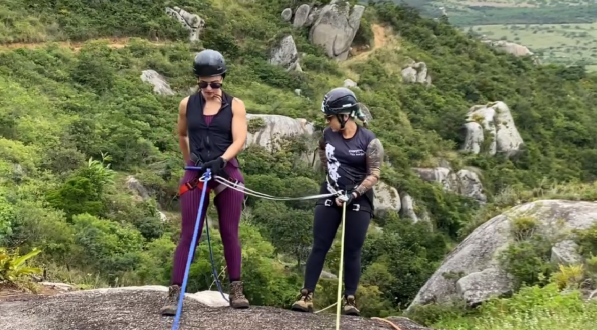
pixel 209 63
pixel 340 100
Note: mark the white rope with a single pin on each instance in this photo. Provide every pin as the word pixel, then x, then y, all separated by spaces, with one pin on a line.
pixel 249 192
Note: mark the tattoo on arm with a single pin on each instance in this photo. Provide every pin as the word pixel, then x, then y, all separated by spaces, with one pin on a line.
pixel 321 151
pixel 374 156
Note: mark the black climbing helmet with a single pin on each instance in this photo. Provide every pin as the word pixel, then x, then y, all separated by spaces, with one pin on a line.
pixel 340 100
pixel 209 63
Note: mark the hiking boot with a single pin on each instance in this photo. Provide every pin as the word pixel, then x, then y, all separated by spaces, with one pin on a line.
pixel 305 302
pixel 350 306
pixel 236 296
pixel 171 304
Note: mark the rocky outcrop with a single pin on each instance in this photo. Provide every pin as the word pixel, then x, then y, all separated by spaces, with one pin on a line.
pixel 407 208
pixel 285 54
pixel 335 28
pixel 386 198
pixel 189 21
pixel 366 111
pixel 349 83
pixel 159 83
pixel 491 121
pixel 302 17
pixel 471 271
pixel 566 253
pixel 509 47
pixel 141 193
pixel 416 72
pixel 138 308
pixel 268 130
pixel 286 14
pixel 465 182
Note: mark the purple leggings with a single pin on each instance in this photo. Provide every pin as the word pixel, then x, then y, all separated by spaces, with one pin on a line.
pixel 229 204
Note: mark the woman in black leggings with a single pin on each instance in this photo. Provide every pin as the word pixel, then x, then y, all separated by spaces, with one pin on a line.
pixel 351 156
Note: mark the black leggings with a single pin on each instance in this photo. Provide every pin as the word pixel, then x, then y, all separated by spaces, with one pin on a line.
pixel 327 220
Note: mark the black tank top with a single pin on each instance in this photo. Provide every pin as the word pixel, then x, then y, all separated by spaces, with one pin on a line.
pixel 209 142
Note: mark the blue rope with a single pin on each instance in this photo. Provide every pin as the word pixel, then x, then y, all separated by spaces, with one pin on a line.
pixel 190 256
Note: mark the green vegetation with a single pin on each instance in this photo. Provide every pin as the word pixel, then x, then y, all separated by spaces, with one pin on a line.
pixel 532 308
pixel 75 125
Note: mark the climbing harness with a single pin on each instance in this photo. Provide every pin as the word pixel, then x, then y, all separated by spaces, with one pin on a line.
pixel 196 183
pixel 203 179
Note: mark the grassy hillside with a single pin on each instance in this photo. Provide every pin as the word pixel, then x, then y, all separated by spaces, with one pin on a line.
pixel 75 123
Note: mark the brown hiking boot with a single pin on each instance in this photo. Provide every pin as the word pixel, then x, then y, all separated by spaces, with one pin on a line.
pixel 236 296
pixel 305 302
pixel 171 304
pixel 350 306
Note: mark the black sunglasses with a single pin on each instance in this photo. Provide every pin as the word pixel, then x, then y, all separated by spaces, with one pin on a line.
pixel 212 84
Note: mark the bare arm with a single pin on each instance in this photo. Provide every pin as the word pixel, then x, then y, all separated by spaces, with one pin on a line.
pixel 183 138
pixel 321 152
pixel 239 129
pixel 374 158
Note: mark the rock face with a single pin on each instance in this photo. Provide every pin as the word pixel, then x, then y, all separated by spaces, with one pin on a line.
pixel 366 111
pixel 335 28
pixel 138 309
pixel 495 120
pixel 416 72
pixel 141 193
pixel 286 14
pixel 386 198
pixel 274 127
pixel 189 21
pixel 464 182
pixel 349 83
pixel 509 47
pixel 160 85
pixel 473 262
pixel 285 54
pixel 301 16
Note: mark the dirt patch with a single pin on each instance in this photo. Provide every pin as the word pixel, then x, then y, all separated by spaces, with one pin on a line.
pixel 12 291
pixel 380 39
pixel 114 43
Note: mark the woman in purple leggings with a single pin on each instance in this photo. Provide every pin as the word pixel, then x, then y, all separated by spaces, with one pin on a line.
pixel 212 128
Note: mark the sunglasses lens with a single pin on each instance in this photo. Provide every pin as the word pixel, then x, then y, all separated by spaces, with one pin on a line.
pixel 213 84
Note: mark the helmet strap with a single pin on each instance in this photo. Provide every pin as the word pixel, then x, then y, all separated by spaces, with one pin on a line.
pixel 342 120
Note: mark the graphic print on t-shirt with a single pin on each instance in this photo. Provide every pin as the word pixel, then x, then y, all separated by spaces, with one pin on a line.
pixel 333 165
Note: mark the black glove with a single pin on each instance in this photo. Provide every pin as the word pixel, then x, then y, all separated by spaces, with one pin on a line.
pixel 351 198
pixel 216 166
